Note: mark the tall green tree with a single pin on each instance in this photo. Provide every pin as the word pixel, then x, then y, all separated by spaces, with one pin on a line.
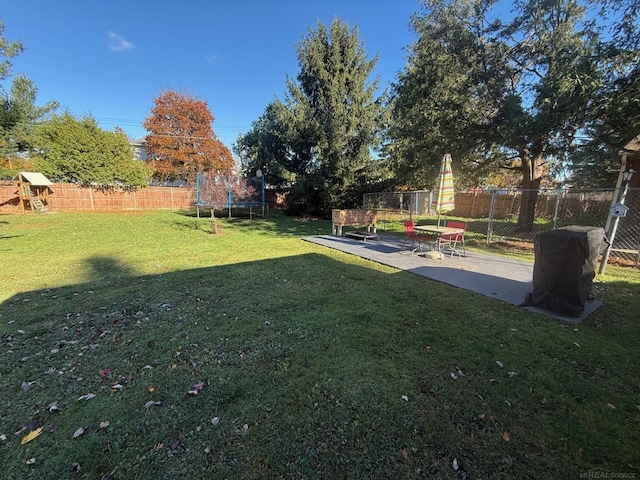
pixel 18 112
pixel 79 151
pixel 615 118
pixel 496 93
pixel 266 147
pixel 321 136
pixel 19 115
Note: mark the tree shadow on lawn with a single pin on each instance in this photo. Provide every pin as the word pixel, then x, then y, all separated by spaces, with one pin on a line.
pixel 307 376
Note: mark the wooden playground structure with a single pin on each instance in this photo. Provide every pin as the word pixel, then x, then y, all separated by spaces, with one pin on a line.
pixel 33 191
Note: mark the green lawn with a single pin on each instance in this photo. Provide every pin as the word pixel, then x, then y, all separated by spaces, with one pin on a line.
pixel 312 363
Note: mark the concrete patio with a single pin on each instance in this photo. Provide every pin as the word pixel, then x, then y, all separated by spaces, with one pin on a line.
pixel 505 279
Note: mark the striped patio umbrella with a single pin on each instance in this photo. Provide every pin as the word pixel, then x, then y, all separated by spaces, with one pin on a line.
pixel 446 198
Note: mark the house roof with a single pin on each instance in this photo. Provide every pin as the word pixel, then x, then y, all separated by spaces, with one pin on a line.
pixel 35 178
pixel 633 145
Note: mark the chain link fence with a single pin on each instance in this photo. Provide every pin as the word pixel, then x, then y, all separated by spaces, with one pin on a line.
pixel 496 214
pixel 391 206
pixel 561 208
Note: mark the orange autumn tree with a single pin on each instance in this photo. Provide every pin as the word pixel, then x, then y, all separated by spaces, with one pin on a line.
pixel 181 142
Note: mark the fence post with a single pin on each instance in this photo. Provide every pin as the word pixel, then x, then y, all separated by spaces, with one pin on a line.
pixel 91 198
pixel 555 213
pixel 491 212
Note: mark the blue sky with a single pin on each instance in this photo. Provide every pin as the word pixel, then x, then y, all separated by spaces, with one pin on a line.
pixel 111 58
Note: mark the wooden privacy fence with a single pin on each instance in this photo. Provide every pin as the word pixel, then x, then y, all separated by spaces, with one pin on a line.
pixel 68 197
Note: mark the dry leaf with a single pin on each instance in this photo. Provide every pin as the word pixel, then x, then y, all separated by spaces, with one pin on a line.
pixel 31 435
pixel 215 420
pixel 53 407
pixel 611 406
pixel 454 376
pixel 31 461
pixel 151 388
pixel 499 363
pixel 86 396
pixel 405 455
pixel 196 388
pixel 150 403
pixel 454 464
pixel 78 432
pixel 405 398
pixel 208 449
pixel 104 424
pixel 505 436
pixel 116 387
pixel 104 372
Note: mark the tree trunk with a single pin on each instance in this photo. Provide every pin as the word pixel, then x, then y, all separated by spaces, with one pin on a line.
pixel 215 227
pixel 531 176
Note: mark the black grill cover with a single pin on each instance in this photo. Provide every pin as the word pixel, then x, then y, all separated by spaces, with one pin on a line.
pixel 564 268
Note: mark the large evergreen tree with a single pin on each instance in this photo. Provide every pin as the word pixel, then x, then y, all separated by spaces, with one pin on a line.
pixel 18 112
pixel 515 94
pixel 320 138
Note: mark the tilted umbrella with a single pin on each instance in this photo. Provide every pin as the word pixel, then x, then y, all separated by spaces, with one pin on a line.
pixel 446 197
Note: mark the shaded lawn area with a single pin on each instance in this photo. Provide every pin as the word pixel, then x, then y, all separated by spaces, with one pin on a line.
pixel 313 363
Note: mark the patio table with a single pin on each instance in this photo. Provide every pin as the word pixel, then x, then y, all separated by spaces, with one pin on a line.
pixel 439 231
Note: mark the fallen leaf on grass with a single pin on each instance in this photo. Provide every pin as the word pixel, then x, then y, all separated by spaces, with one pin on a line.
pixel 116 387
pixel 26 386
pixel 505 436
pixel 78 432
pixel 196 388
pixel 499 363
pixel 104 372
pixel 86 396
pixel 53 407
pixel 31 461
pixel 151 403
pixel 454 464
pixel 208 449
pixel 405 398
pixel 31 435
pixel 611 406
pixel 104 424
pixel 215 420
pixel 405 455
pixel 151 388
pixel 512 374
pixel 454 376
pixel 176 446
